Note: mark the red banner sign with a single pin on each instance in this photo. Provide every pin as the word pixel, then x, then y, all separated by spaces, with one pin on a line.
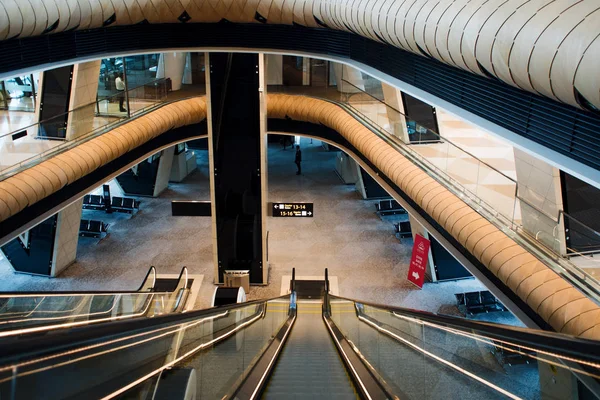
pixel 418 261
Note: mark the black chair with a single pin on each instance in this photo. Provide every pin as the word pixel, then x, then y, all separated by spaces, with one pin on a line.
pixel 490 302
pixel 124 204
pixel 92 228
pixel 473 303
pixel 511 355
pixel 93 202
pixel 403 229
pixel 389 207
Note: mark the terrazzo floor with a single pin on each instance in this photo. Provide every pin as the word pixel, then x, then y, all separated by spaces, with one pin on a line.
pixel 346 236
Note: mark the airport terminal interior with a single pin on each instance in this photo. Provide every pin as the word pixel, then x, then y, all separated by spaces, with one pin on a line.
pixel 300 200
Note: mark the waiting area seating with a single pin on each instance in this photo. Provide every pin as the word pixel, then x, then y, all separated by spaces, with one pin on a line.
pixel 93 202
pixel 92 228
pixel 389 207
pixel 124 204
pixel 118 204
pixel 478 302
pixel 511 355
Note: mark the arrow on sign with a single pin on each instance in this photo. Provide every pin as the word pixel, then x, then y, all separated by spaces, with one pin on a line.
pixel 276 206
pixel 415 275
pixel 309 213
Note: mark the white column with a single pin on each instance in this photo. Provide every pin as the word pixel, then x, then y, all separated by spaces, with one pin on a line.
pixel 187 70
pixel 346 168
pixel 165 162
pixel 274 69
pixel 540 188
pixel 393 97
pixel 84 89
pixel 346 73
pixel 66 237
pixel 172 65
pixel 305 71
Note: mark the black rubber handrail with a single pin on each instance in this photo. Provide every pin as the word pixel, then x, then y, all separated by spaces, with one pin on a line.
pixel 259 372
pixel 50 341
pixel 553 342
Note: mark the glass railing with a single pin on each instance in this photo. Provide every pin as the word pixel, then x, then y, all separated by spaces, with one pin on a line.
pixel 420 355
pixel 489 191
pixel 22 313
pixel 470 175
pixel 131 357
pixel 61 132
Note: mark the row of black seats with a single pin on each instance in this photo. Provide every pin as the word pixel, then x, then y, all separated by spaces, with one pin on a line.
pixel 478 302
pixel 92 228
pixel 118 204
pixel 389 207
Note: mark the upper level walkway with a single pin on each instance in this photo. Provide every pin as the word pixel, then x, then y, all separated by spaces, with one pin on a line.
pixel 544 282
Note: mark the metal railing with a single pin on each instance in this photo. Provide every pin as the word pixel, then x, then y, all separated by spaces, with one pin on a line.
pixel 542 234
pixel 84 122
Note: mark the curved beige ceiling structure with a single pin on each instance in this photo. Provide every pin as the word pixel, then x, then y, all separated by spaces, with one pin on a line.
pixel 559 303
pixel 549 47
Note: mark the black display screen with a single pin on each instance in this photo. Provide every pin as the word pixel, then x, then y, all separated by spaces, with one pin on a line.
pixel 56 93
pixel 582 223
pixel 191 209
pixel 422 120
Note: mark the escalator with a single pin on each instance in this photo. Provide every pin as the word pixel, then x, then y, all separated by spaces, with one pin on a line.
pixel 309 356
pixel 294 347
pixel 22 312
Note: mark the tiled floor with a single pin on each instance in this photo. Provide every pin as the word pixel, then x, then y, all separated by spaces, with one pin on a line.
pixel 346 236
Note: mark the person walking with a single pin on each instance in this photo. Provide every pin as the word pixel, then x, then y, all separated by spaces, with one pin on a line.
pixel 120 85
pixel 298 160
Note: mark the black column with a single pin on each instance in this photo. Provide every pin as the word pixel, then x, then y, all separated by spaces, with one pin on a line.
pixel 55 97
pixel 235 111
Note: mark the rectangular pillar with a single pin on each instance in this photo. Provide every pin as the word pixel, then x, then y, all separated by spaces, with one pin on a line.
pixel 540 192
pixel 233 89
pixel 393 98
pixel 83 93
pixel 66 237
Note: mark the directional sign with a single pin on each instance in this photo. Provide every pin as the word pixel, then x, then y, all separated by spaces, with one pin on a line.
pixel 418 261
pixel 294 210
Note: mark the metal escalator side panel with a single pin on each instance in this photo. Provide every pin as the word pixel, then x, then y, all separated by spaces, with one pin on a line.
pixel 255 381
pixel 367 380
pixel 107 360
pixel 427 355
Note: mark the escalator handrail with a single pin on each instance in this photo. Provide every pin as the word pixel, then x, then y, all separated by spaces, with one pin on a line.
pixel 557 343
pixel 367 380
pixel 151 270
pixel 50 341
pixel 254 383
